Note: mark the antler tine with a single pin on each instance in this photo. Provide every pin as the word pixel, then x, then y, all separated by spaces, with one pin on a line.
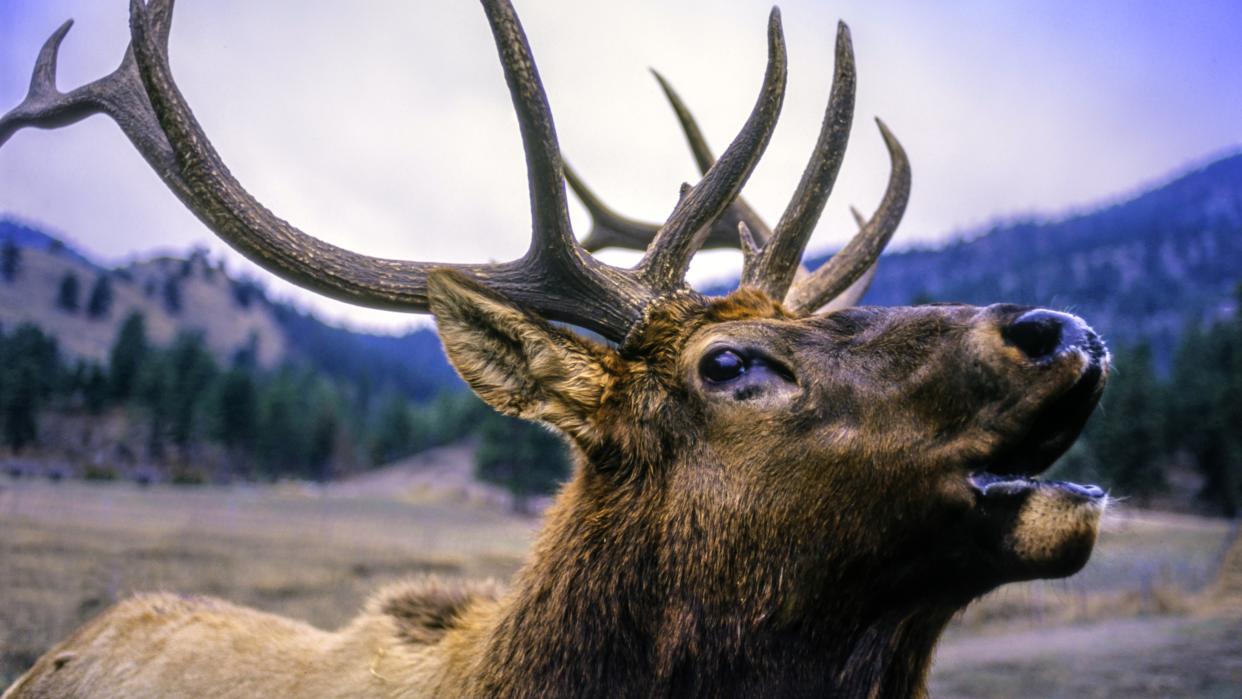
pixel 549 209
pixel 861 253
pixel 44 106
pixel 721 235
pixel 854 293
pixel 608 228
pixel 663 268
pixel 749 244
pixel 858 216
pixel 777 263
pixel 118 94
pixel 611 229
pixel 703 155
pixel 43 79
pixel 555 258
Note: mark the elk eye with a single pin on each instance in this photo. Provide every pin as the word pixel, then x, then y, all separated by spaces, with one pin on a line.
pixel 722 365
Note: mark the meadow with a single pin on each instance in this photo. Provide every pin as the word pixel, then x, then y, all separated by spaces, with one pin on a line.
pixel 1147 618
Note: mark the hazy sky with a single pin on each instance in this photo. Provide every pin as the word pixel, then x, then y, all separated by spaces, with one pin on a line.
pixel 386 127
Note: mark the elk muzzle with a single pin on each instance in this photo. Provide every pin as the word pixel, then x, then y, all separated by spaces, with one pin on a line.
pixel 1043 528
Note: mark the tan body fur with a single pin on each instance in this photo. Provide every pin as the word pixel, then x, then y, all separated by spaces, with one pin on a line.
pixel 150 643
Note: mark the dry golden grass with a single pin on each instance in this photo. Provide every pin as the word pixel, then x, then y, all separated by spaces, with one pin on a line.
pixel 68 550
pixel 1144 563
pixel 1138 622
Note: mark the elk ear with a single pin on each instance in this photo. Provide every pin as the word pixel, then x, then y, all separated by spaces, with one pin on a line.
pixel 517 362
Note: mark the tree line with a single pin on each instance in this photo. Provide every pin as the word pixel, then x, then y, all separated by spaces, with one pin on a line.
pixel 296 421
pixel 196 419
pixel 1152 427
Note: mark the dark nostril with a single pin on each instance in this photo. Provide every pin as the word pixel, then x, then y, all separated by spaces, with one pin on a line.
pixel 1038 333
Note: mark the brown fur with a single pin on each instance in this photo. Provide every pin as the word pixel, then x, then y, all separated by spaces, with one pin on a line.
pixel 810 535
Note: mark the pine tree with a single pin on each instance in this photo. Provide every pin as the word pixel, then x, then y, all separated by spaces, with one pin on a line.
pixel 29 370
pixel 324 431
pixel 21 405
pixel 452 415
pixel 128 354
pixel 1231 408
pixel 524 458
pixel 1127 435
pixel 191 370
pixel 100 301
pixel 10 260
pixel 94 389
pixel 152 389
pixel 172 295
pixel 67 293
pixel 281 440
pixel 394 434
pixel 235 409
pixel 1205 410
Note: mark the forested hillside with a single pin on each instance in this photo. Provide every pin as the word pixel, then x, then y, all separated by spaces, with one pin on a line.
pixel 1140 269
pixel 83 304
pixel 229 382
pixel 172 369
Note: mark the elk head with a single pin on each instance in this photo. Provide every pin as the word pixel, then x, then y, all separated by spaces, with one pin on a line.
pixel 774 474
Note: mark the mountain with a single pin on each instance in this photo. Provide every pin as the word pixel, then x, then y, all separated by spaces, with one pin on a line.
pixel 1139 269
pixel 194 294
pixel 29 237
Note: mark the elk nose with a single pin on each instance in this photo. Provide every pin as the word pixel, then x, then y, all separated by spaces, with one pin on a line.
pixel 1041 334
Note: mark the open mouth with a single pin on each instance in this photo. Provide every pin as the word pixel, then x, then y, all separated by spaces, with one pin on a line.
pixel 992 485
pixel 1014 468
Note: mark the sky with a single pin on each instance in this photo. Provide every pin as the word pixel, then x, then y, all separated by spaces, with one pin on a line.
pixel 386 127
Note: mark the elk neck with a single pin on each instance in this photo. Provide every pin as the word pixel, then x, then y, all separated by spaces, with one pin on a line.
pixel 608 606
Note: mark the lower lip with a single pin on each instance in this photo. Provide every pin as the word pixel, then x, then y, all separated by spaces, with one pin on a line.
pixel 1091 492
pixel 992 484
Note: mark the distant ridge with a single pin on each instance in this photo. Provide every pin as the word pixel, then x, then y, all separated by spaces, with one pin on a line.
pixel 1139 269
pixel 195 294
pixel 26 235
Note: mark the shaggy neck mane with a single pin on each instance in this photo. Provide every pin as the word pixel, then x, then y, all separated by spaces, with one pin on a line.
pixel 595 614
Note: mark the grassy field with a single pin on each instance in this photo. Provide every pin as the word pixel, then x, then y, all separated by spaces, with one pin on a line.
pixel 68 550
pixel 1135 623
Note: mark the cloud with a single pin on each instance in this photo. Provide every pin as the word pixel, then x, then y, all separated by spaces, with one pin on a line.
pixel 386 128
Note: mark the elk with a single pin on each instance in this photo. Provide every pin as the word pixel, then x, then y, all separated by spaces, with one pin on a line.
pixel 776 492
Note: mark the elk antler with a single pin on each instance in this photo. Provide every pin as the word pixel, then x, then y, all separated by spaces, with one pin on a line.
pixel 119 95
pixel 664 265
pixel 556 277
pixel 772 257
pixel 859 255
pixel 609 229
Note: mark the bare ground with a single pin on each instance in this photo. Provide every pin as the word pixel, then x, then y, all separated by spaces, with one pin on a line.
pixel 1167 657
